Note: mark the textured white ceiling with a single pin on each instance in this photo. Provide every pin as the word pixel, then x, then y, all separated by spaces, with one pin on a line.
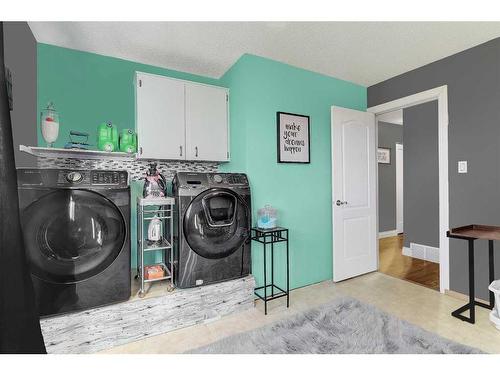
pixel 362 52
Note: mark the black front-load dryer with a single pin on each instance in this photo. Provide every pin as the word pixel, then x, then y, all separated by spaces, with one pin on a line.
pixel 76 235
pixel 212 227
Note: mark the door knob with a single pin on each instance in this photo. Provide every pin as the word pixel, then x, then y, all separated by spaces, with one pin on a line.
pixel 340 203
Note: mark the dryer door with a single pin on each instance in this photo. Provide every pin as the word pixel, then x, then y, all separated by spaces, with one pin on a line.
pixel 216 223
pixel 72 235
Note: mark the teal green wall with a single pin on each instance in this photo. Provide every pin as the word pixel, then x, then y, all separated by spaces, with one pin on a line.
pixel 88 89
pixel 301 192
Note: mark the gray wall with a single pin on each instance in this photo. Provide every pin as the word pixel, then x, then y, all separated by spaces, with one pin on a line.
pixel 421 175
pixel 473 83
pixel 20 59
pixel 388 135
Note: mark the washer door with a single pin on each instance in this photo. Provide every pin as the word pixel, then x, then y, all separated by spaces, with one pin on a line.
pixel 216 223
pixel 72 235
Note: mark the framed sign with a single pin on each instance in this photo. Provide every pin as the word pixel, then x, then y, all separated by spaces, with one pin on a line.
pixel 384 155
pixel 293 138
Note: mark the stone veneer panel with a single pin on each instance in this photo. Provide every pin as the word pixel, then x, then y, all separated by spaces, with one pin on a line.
pixel 108 326
pixel 135 168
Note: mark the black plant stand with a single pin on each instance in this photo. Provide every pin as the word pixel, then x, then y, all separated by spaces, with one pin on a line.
pixel 266 237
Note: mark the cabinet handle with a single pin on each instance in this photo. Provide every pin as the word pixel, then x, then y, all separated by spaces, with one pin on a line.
pixel 196 151
pixel 180 150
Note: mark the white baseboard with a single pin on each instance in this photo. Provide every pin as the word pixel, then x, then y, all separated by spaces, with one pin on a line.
pixel 389 233
pixel 424 252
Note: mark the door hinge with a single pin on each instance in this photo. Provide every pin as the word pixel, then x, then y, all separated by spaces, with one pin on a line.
pixel 228 154
pixel 140 83
pixel 227 97
pixel 140 150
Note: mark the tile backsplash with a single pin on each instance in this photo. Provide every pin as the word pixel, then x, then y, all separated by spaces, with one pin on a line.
pixel 135 168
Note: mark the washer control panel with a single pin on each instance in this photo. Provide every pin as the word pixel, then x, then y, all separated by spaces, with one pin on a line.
pixel 191 182
pixel 228 179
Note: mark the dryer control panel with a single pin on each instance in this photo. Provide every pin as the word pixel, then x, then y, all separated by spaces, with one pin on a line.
pixel 72 178
pixel 109 178
pixel 93 178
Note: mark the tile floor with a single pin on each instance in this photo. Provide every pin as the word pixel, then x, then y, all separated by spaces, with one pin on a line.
pixel 422 306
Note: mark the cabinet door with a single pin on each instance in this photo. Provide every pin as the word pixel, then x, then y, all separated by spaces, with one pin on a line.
pixel 159 117
pixel 206 123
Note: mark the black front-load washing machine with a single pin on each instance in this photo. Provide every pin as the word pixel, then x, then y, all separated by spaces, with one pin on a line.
pixel 76 234
pixel 212 227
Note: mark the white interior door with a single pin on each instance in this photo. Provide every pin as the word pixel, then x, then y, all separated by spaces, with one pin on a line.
pixel 399 188
pixel 206 123
pixel 160 117
pixel 354 193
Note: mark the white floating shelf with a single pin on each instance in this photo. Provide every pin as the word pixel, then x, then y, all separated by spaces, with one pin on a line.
pixel 49 152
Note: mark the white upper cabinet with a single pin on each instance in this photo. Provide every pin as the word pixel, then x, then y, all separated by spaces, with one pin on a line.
pixel 206 123
pixel 180 120
pixel 160 117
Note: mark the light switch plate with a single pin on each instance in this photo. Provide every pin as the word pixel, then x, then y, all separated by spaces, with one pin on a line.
pixel 462 166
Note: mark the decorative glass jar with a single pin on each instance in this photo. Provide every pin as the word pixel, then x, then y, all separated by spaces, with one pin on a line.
pixel 267 217
pixel 49 121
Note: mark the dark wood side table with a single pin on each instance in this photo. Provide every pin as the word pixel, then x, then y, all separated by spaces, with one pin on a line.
pixel 266 237
pixel 471 233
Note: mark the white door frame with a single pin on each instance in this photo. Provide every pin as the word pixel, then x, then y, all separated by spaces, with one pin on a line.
pixel 441 95
pixel 399 185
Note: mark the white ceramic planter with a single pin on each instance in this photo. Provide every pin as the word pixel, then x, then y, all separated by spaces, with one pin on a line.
pixel 495 313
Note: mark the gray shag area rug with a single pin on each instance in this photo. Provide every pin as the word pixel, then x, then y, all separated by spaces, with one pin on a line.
pixel 344 326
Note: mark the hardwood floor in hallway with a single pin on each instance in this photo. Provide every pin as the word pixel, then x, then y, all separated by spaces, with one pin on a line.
pixel 392 262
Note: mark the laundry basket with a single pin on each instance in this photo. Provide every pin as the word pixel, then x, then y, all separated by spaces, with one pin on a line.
pixel 495 313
